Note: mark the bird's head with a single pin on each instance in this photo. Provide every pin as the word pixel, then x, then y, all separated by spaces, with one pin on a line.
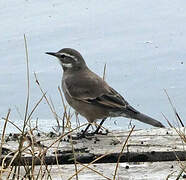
pixel 70 59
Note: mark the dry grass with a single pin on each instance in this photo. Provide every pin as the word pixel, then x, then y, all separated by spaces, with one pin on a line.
pixel 180 130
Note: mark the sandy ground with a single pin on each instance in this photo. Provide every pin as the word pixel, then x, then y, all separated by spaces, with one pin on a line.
pixel 126 171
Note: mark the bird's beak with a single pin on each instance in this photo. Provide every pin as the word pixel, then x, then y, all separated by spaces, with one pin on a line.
pixel 53 54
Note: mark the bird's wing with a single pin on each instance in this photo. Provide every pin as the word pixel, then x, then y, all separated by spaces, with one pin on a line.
pixel 95 91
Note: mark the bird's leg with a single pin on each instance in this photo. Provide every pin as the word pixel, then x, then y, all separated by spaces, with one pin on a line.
pixel 98 128
pixel 86 129
pixel 85 134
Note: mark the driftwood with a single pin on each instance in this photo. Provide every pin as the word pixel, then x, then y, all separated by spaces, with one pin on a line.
pixel 143 146
pixel 68 158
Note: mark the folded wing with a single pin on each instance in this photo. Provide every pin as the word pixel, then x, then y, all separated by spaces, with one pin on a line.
pixel 96 91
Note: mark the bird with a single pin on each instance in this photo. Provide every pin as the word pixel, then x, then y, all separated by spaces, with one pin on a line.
pixel 90 96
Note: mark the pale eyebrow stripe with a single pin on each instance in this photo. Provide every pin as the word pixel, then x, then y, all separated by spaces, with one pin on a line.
pixel 68 55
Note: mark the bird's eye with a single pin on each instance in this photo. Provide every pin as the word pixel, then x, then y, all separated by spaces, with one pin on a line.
pixel 62 56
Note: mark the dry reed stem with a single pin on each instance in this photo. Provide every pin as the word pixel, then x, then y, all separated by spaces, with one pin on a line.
pixel 178 131
pixel 65 108
pixel 2 140
pixel 85 166
pixel 179 121
pixel 28 84
pixel 54 112
pixel 95 171
pixel 36 105
pixel 44 94
pixel 74 154
pixel 9 121
pixel 117 165
pixel 104 72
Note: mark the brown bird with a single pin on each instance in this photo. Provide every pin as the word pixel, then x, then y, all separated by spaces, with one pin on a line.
pixel 90 95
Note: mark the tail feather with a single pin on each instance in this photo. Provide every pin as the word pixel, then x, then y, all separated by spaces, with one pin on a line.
pixel 148 120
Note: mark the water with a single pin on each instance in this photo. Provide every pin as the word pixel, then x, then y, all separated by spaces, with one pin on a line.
pixel 142 44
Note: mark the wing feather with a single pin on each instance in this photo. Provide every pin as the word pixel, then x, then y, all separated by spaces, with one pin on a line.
pixel 96 91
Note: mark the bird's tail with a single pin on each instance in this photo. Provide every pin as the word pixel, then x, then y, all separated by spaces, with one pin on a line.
pixel 148 120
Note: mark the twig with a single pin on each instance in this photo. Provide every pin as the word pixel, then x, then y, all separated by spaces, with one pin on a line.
pixel 122 152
